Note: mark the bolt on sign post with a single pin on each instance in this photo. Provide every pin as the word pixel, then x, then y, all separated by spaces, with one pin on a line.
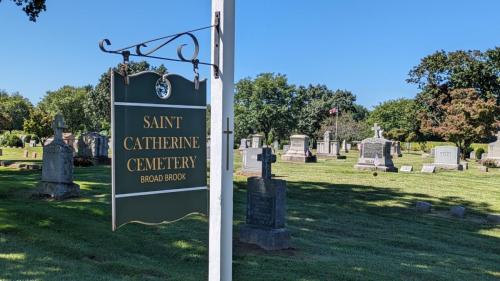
pixel 159 168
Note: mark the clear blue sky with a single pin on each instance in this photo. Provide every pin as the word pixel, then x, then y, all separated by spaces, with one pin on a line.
pixel 366 47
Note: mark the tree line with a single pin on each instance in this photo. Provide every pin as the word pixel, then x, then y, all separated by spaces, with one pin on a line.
pixel 458 101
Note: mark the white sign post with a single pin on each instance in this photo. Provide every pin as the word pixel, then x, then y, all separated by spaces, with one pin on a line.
pixel 220 251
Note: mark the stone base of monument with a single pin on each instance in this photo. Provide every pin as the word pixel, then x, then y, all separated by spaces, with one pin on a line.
pixel 265 214
pixel 458 167
pixel 299 158
pixel 58 191
pixel 268 239
pixel 375 168
pixel 101 161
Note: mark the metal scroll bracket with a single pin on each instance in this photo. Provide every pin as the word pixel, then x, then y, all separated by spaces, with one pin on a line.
pixel 216 43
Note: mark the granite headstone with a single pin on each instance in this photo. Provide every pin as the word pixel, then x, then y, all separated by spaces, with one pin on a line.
pixel 447 158
pixel 57 168
pixel 266 212
pixel 375 153
pixel 299 150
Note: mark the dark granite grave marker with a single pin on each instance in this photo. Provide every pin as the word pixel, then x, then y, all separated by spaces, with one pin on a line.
pixel 265 213
pixel 267 157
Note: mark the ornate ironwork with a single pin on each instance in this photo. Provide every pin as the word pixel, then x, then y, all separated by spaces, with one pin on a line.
pixel 139 49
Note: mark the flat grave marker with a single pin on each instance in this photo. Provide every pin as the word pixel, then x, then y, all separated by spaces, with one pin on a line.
pixel 406 169
pixel 428 169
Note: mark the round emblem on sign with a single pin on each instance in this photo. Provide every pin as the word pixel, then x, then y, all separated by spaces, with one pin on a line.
pixel 163 88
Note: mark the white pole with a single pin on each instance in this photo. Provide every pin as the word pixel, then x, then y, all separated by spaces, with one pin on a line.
pixel 220 249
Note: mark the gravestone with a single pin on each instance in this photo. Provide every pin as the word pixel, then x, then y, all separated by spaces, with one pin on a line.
pixel 494 150
pixel 23 139
pixel 375 153
pixel 408 146
pixel 406 169
pixel 57 168
pixel 299 150
pixel 68 138
pixel 32 143
pixel 328 148
pixel 472 155
pixel 396 149
pixel 423 207
pixel 465 165
pixel 0 152
pixel 447 158
pixel 257 140
pixel 243 144
pixel 457 211
pixel 433 152
pixel 251 165
pixel 93 145
pixel 266 158
pixel 276 145
pixel 34 155
pixel 286 147
pixel 345 149
pixel 484 156
pixel 428 169
pixel 483 169
pixel 265 212
pixel 26 154
pixel 493 218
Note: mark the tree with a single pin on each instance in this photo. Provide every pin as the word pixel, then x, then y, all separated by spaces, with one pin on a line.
pixel 360 112
pixel 32 8
pixel 349 129
pixel 14 109
pixel 263 105
pixel 466 118
pixel 312 104
pixel 97 105
pixel 68 101
pixel 396 117
pixel 444 71
pixel 39 123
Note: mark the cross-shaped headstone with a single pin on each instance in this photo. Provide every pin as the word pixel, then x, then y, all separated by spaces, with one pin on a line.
pixel 376 128
pixel 58 125
pixel 267 157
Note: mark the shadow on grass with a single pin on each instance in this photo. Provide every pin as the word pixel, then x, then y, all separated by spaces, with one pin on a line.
pixel 72 239
pixel 339 232
pixel 369 232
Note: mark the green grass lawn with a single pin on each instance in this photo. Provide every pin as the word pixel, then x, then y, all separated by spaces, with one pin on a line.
pixel 345 225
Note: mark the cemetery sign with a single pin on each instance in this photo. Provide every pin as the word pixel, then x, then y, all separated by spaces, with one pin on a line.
pixel 159 148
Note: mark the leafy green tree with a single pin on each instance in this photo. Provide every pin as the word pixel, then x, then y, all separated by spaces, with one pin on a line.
pixel 97 105
pixel 443 71
pixel 68 101
pixel 13 110
pixel 359 112
pixel 32 8
pixel 39 123
pixel 312 104
pixel 397 117
pixel 263 105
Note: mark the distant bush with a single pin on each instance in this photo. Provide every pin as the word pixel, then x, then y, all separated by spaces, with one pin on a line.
pixel 8 139
pixel 479 152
